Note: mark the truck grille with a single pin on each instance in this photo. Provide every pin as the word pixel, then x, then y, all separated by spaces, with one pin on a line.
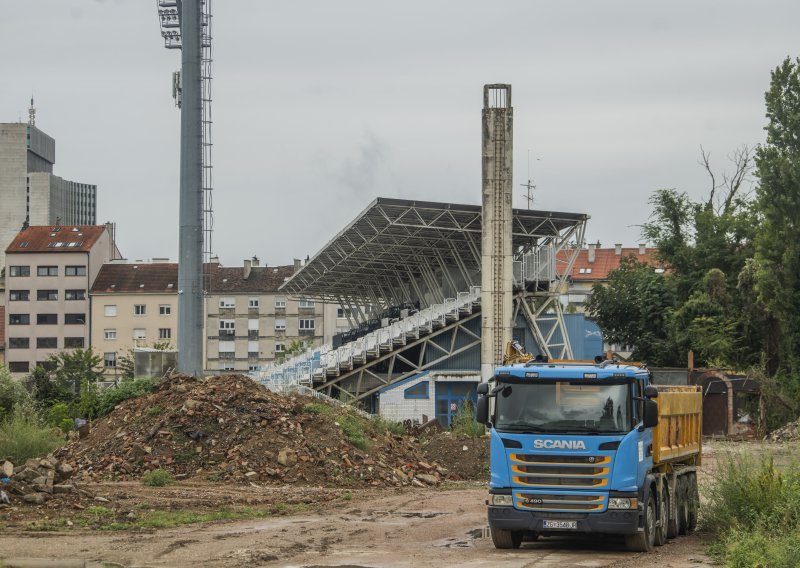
pixel 559 502
pixel 561 471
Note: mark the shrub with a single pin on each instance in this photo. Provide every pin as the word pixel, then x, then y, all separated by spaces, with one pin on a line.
pixel 111 397
pixel 157 478
pixel 464 422
pixel 382 425
pixel 23 436
pixel 754 509
pixel 12 392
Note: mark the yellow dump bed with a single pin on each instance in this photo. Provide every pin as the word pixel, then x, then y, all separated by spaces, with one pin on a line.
pixel 680 419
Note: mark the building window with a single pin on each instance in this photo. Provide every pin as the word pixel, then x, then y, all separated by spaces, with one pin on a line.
pixel 47 270
pixel 227 302
pixel 306 324
pixel 165 309
pixel 419 390
pixel 280 325
pixel 73 343
pixel 306 303
pixel 46 342
pixel 280 348
pixel 19 295
pixel 19 343
pixel 109 334
pixel 75 271
pixel 228 367
pixel 252 368
pixel 280 302
pixel 139 333
pixel 110 311
pixel 46 295
pixel 227 327
pixel 75 294
pixel 110 360
pixel 47 319
pixel 19 319
pixel 19 270
pixel 139 309
pixel 74 319
pixel 345 312
pixel 18 366
pixel 252 302
pixel 165 333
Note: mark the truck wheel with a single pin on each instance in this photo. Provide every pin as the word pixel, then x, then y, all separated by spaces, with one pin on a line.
pixel 682 505
pixel 643 541
pixel 693 501
pixel 663 517
pixel 672 513
pixel 506 539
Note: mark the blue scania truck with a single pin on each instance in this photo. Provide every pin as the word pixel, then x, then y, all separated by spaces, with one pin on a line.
pixel 590 447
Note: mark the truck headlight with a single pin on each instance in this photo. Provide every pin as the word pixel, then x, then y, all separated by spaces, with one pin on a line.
pixel 622 503
pixel 502 500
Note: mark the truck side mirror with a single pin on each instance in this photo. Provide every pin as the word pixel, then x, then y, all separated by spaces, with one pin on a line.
pixel 650 419
pixel 482 410
pixel 650 392
pixel 482 389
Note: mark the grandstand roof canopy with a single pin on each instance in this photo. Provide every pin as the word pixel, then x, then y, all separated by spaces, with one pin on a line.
pixel 399 237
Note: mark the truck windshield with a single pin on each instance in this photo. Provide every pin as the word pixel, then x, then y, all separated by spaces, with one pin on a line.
pixel 563 407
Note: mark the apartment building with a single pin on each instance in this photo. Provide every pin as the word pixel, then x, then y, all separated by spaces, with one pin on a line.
pixel 133 304
pixel 49 272
pixel 249 322
pixel 29 191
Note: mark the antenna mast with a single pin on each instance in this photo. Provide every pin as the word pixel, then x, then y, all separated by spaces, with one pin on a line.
pixel 530 185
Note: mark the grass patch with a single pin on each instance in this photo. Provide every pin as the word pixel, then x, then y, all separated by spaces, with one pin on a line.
pixel 106 519
pixel 383 425
pixel 346 496
pixel 317 408
pixel 157 478
pixel 23 437
pixel 754 511
pixel 355 428
pixel 154 410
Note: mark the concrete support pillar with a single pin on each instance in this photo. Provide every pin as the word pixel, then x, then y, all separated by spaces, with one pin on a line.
pixel 496 250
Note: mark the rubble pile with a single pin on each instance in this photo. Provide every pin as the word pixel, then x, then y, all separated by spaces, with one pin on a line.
pixel 35 482
pixel 231 428
pixel 787 433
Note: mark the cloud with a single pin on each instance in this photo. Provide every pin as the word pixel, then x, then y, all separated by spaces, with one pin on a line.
pixel 360 172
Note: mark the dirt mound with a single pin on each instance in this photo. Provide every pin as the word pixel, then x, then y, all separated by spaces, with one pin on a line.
pixel 787 433
pixel 466 458
pixel 231 428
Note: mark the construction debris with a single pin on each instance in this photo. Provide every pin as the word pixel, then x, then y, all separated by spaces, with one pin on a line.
pixel 787 433
pixel 35 481
pixel 231 428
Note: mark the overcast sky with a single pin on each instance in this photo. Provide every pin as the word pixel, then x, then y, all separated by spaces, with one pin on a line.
pixel 321 106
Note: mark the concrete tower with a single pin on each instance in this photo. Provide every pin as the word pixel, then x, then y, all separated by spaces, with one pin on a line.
pixel 496 260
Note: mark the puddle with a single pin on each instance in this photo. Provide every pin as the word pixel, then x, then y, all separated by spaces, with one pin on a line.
pixel 467 541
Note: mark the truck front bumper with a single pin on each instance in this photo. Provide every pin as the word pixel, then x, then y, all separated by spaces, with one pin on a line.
pixel 610 522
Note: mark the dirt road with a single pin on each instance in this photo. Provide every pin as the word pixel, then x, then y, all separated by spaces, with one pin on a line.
pixel 385 528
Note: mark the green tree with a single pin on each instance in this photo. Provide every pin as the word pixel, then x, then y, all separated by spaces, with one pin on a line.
pixel 71 368
pixel 634 309
pixel 778 193
pixel 12 392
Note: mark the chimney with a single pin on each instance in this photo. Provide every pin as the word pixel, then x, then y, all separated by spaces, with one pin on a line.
pixel 618 249
pixel 298 264
pixel 247 265
pixel 642 248
pixel 255 261
pixel 591 252
pixel 213 260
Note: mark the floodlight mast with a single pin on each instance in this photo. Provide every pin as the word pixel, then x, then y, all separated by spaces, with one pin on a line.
pixel 185 25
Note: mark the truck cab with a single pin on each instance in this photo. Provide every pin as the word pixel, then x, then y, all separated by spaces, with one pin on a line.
pixel 572 451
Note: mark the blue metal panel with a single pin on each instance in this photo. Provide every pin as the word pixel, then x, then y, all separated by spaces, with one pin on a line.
pixel 585 335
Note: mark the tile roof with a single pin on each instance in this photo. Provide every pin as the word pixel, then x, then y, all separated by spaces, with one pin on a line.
pixel 145 278
pixel 606 260
pixel 50 238
pixel 261 279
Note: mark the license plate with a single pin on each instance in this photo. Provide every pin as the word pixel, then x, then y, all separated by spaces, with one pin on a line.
pixel 560 525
